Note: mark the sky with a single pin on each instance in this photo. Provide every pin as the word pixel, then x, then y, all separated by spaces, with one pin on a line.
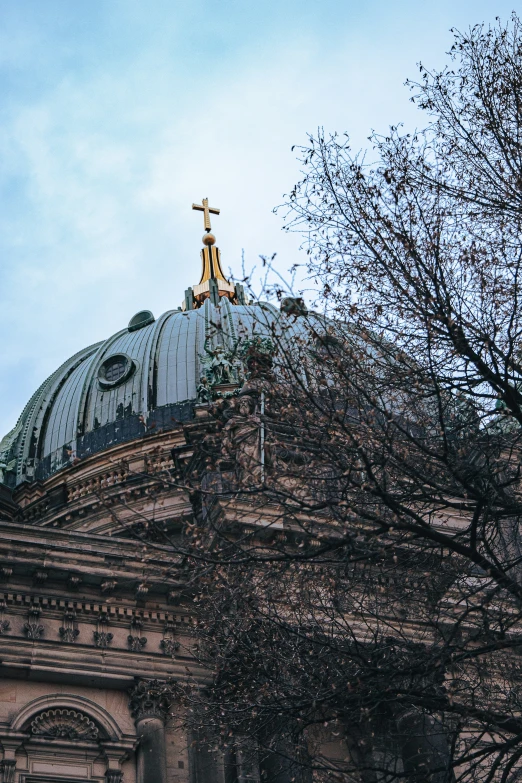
pixel 116 115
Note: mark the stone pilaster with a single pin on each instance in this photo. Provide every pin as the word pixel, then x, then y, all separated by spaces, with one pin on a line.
pixel 150 702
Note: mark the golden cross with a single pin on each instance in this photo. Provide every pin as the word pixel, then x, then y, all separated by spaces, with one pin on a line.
pixel 206 210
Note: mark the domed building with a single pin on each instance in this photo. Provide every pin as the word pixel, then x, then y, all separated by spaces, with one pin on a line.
pixel 92 625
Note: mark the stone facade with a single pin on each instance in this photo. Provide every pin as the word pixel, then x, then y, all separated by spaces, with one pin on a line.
pixel 92 631
pixel 95 629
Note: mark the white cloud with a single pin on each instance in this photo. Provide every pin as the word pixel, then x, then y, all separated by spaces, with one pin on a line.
pixel 101 168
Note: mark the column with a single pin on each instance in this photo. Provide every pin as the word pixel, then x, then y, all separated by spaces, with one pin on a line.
pixel 150 701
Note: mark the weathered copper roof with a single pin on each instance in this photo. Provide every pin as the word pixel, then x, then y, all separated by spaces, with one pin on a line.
pixel 79 410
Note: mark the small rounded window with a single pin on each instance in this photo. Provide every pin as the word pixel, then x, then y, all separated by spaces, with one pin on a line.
pixel 141 319
pixel 115 370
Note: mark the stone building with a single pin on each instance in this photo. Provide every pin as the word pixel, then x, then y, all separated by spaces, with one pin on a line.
pixel 92 627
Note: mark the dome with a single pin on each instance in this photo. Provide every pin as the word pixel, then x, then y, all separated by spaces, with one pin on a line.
pixel 141 380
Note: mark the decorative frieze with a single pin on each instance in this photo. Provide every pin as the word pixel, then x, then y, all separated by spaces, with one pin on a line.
pixel 66 724
pixel 151 698
pixel 102 636
pixel 69 630
pixel 32 627
pixel 40 577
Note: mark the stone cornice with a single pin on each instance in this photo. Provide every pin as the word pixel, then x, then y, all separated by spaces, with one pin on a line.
pixel 21 544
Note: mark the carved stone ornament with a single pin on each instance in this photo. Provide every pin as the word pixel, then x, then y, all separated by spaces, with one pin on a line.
pixel 8 770
pixel 69 631
pixel 65 724
pixel 151 698
pixel 102 636
pixel 136 643
pixel 168 644
pixel 108 586
pixel 220 367
pixel 4 624
pixel 135 640
pixel 32 628
pixel 74 581
pixel 169 647
pixel 113 776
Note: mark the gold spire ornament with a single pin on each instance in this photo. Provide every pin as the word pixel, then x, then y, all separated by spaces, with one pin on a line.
pixel 213 283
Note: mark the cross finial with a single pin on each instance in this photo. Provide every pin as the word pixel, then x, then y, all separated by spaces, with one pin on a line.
pixel 204 207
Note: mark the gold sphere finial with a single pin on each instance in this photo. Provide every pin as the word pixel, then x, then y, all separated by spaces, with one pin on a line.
pixel 209 239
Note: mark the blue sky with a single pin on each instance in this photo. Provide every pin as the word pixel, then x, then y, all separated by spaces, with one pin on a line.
pixel 115 115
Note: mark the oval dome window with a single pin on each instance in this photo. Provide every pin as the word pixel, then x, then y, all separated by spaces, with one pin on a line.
pixel 115 370
pixel 141 319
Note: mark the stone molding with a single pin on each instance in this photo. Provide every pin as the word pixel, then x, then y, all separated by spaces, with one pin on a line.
pixel 89 609
pixel 64 724
pixel 151 699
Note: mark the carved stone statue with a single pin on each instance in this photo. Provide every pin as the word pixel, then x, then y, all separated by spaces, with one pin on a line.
pixel 204 394
pixel 5 467
pixel 219 366
pixel 241 438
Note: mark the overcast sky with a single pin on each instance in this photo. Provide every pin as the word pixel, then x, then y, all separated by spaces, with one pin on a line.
pixel 115 115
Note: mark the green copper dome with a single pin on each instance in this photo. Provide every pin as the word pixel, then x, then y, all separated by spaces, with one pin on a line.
pixel 141 380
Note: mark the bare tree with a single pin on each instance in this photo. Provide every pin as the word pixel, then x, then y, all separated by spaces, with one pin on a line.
pixel 355 556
